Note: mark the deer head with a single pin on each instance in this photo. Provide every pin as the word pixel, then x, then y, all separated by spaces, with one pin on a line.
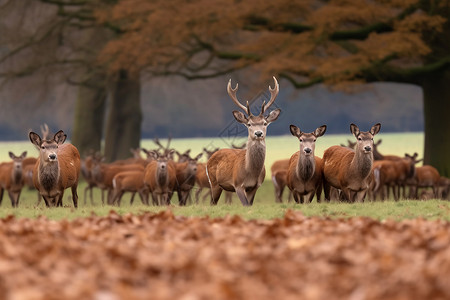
pixel 364 139
pixel 257 125
pixel 307 140
pixel 48 148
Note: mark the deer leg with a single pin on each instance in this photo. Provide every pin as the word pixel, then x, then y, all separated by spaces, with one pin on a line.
pixel 85 193
pixel 12 198
pixel 296 197
pixel 326 190
pixel 250 195
pixel 74 196
pixel 154 199
pixel 241 194
pixel 228 197
pixel 131 199
pixel 197 194
pixel 359 196
pixel 216 191
pixel 1 195
pixel 142 195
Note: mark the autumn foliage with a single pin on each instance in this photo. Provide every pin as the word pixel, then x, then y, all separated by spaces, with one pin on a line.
pixel 162 256
pixel 332 41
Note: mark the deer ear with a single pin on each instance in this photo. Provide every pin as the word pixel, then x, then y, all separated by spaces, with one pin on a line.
pixel 24 154
pixel 60 137
pixel 240 117
pixel 320 131
pixel 273 116
pixel 354 129
pixel 198 156
pixel 295 131
pixel 11 155
pixel 35 139
pixel 375 129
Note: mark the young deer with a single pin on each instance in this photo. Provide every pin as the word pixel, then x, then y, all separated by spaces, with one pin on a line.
pixel 242 170
pixel 12 178
pixel 348 170
pixel 304 176
pixel 57 168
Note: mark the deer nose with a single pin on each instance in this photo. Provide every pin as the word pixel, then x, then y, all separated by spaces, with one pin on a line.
pixel 258 133
pixel 368 148
pixel 163 166
pixel 307 150
pixel 52 156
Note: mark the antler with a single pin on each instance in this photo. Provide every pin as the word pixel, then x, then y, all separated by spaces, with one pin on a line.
pixel 232 93
pixel 273 95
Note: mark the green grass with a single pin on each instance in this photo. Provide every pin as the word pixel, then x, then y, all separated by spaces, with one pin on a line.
pixel 264 206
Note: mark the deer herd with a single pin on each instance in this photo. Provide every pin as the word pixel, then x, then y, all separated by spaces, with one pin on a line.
pixel 349 173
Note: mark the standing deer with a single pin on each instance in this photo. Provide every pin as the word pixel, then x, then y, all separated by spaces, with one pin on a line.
pixel 11 178
pixel 304 176
pixel 348 170
pixel 242 170
pixel 185 173
pixel 160 178
pixel 57 168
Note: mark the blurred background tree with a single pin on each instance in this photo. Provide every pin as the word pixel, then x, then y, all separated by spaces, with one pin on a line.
pixel 110 45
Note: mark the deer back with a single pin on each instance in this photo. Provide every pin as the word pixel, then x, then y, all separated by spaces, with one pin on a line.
pixel 427 176
pixel 336 162
pixel 129 181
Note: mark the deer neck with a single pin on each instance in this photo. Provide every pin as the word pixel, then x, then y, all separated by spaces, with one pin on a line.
pixel 48 175
pixel 255 156
pixel 362 163
pixel 16 176
pixel 162 176
pixel 306 166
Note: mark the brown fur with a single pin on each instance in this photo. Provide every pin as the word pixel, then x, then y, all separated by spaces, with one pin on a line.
pixel 426 177
pixel 68 175
pixel 129 181
pixel 161 187
pixel 279 177
pixel 301 187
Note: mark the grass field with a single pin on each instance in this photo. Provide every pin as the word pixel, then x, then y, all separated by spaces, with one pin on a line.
pixel 264 206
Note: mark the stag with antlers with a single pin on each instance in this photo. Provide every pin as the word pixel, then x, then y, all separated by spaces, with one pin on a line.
pixel 242 170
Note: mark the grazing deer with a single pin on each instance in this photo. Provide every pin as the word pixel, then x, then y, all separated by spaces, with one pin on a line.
pixel 348 170
pixel 57 168
pixel 304 176
pixel 242 170
pixel 160 178
pixel 186 172
pixel 279 171
pixel 11 178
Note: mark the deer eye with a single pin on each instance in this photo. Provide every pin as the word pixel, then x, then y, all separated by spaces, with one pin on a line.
pixel 301 140
pixel 359 139
pixel 42 147
pixel 314 140
pixel 265 123
pixel 249 125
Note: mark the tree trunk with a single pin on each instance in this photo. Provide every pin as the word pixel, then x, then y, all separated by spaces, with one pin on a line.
pixel 123 128
pixel 436 89
pixel 89 118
